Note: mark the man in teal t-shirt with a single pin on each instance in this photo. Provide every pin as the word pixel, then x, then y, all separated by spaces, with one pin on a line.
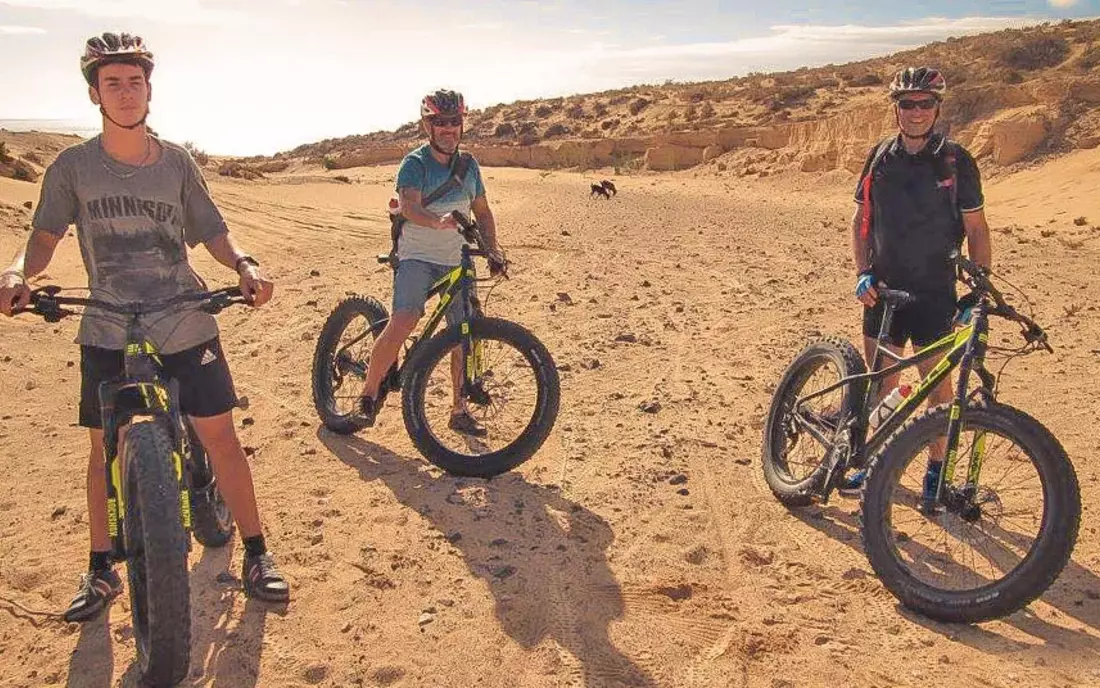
pixel 430 245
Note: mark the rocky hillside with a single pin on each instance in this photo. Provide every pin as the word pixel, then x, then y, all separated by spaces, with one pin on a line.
pixel 1014 95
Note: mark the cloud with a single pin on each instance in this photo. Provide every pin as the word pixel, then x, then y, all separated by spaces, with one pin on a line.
pixel 171 11
pixel 1062 3
pixel 8 30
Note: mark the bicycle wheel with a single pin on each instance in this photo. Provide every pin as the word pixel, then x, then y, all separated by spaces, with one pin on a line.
pixel 515 397
pixel 156 546
pixel 211 522
pixel 341 358
pixel 983 553
pixel 793 460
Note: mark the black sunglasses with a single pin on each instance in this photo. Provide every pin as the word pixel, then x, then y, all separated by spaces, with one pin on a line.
pixel 440 121
pixel 926 104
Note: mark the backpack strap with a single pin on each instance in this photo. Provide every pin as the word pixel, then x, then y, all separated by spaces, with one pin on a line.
pixel 947 172
pixel 865 188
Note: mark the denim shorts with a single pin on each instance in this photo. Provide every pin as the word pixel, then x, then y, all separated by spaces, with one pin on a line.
pixel 411 283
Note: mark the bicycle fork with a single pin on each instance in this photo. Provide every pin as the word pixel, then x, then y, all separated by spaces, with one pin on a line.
pixel 156 403
pixel 972 359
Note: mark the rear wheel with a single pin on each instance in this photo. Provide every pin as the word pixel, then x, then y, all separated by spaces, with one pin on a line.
pixel 156 546
pixel 794 461
pixel 341 359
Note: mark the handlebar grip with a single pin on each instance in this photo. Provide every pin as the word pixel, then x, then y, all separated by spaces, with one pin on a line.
pixel 462 220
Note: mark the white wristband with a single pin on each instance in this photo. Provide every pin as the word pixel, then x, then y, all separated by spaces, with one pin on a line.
pixel 18 273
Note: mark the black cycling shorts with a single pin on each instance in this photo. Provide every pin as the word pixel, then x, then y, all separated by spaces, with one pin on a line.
pixel 206 387
pixel 929 318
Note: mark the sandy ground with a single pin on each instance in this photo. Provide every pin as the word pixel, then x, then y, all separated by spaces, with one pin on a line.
pixel 586 567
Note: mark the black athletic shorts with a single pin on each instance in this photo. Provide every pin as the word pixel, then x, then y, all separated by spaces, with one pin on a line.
pixel 928 319
pixel 206 387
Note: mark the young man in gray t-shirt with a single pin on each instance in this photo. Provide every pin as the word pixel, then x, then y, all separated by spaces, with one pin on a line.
pixel 138 203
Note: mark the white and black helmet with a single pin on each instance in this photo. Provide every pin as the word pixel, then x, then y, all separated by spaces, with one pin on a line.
pixel 918 80
pixel 113 48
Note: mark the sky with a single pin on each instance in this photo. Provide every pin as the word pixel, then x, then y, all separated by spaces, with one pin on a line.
pixel 258 76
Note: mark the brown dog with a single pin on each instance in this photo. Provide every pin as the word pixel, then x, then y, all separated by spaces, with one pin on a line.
pixel 599 190
pixel 609 187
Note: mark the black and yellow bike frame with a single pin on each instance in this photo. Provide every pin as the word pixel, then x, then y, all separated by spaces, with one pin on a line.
pixel 963 349
pixel 457 283
pixel 141 395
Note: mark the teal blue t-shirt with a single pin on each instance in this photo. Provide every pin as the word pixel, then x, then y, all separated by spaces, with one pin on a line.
pixel 419 170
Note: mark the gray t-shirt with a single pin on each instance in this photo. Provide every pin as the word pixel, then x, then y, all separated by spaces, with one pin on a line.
pixel 132 232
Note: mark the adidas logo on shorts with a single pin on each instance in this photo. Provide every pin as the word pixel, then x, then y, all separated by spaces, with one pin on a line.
pixel 208 357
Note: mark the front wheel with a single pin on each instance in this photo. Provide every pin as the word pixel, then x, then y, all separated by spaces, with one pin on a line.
pixel 513 396
pixel 341 359
pixel 156 547
pixel 794 461
pixel 984 550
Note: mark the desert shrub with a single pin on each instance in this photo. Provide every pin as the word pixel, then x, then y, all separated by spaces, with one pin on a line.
pixel 1037 53
pixel 599 110
pixel 638 104
pixel 1089 59
pixel 557 129
pixel 198 154
pixel 867 79
pixel 504 129
pixel 707 111
pixel 342 178
pixel 575 111
pixel 609 124
pixel 544 111
pixel 691 114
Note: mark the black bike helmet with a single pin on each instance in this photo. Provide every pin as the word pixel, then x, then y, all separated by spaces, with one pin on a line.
pixel 111 48
pixel 918 80
pixel 443 102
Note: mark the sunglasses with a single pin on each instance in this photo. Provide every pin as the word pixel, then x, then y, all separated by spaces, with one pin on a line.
pixel 440 121
pixel 926 104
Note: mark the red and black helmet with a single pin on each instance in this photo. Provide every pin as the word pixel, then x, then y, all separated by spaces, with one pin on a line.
pixel 918 80
pixel 443 102
pixel 112 48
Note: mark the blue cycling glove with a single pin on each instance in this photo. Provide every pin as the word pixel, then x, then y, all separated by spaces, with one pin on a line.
pixel 864 283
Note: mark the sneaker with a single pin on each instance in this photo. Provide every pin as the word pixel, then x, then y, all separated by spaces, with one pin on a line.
pixel 853 483
pixel 931 480
pixel 465 424
pixel 262 579
pixel 368 410
pixel 97 589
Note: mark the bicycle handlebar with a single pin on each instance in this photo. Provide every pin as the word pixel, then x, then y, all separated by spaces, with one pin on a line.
pixel 980 282
pixel 46 302
pixel 472 234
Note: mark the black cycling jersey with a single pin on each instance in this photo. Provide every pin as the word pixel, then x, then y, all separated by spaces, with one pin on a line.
pixel 916 220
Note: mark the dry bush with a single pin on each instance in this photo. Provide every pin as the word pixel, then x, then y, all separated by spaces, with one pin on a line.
pixel 707 111
pixel 1037 53
pixel 575 111
pixel 5 157
pixel 1089 59
pixel 197 153
pixel 544 110
pixel 557 129
pixel 504 129
pixel 639 104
